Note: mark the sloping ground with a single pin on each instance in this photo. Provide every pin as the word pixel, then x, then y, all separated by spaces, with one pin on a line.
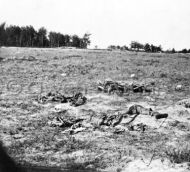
pixel 30 138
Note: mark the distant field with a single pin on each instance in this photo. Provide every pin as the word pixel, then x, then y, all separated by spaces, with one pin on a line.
pixel 29 72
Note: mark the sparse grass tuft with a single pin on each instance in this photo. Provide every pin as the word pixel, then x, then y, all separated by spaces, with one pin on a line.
pixel 72 145
pixel 178 155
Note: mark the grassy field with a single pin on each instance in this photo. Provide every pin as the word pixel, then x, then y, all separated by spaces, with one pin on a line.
pixel 24 123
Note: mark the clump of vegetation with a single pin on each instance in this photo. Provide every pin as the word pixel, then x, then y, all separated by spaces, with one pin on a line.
pixel 178 155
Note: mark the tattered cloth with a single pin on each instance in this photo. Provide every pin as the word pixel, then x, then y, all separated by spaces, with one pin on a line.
pixel 69 125
pixel 75 100
pixel 109 86
pixel 65 122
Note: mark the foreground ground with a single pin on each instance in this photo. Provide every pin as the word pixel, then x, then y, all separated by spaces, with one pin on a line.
pixel 24 123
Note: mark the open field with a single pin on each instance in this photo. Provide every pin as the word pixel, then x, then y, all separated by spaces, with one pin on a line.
pixel 24 123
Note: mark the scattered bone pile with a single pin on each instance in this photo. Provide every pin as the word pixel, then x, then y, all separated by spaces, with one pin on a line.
pixel 185 103
pixel 138 127
pixel 76 100
pixel 72 124
pixel 112 120
pixel 65 122
pixel 109 86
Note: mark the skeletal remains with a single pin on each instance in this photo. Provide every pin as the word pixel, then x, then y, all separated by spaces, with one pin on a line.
pixel 110 86
pixel 75 100
pixel 77 124
pixel 133 112
pixel 106 120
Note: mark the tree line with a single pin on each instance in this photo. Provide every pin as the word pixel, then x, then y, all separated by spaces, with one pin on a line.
pixel 174 51
pixel 27 36
pixel 136 46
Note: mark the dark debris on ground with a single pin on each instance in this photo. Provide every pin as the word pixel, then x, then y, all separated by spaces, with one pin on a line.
pixel 109 86
pixel 77 99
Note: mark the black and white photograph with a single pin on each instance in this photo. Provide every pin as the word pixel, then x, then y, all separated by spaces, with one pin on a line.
pixel 94 85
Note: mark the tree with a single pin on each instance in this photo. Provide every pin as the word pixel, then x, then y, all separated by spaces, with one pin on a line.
pixel 118 47
pixel 52 39
pixel 62 40
pixel 85 40
pixel 173 50
pixel 184 51
pixel 23 37
pixel 76 42
pixel 42 37
pixel 2 34
pixel 112 47
pixel 147 47
pixel 136 45
pixel 17 32
pixel 67 40
pixel 152 47
pixel 159 48
pixel 10 41
pixel 31 35
pixel 124 47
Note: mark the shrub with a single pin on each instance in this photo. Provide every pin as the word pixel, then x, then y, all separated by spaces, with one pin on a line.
pixel 178 155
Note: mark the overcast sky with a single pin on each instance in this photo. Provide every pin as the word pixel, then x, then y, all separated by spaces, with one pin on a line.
pixel 118 22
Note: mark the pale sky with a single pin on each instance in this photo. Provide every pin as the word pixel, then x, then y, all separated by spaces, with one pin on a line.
pixel 117 22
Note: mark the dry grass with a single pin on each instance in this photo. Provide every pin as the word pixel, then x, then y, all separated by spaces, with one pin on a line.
pixel 38 143
pixel 179 154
